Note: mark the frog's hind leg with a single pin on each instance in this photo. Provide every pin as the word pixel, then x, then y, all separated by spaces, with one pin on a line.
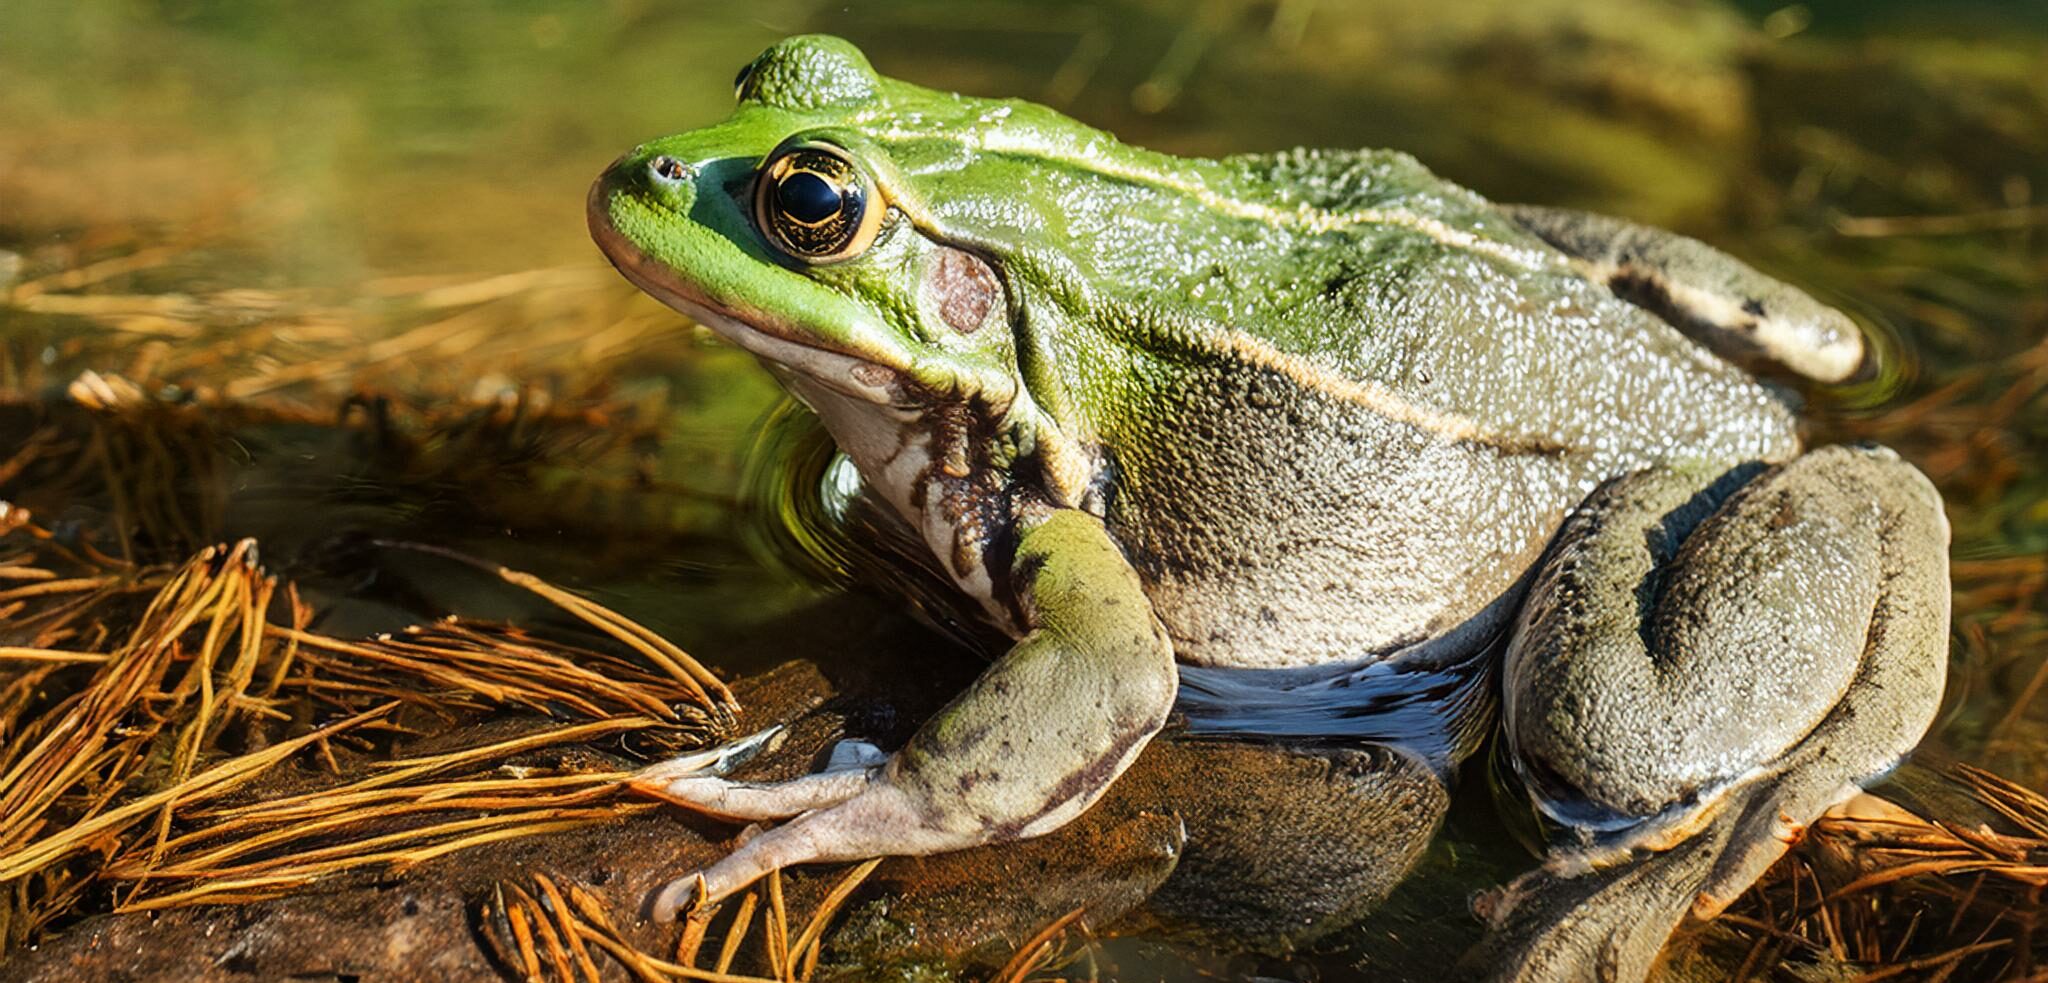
pixel 1711 296
pixel 1700 670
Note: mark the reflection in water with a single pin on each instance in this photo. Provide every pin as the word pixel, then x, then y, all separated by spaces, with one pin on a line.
pixel 1434 702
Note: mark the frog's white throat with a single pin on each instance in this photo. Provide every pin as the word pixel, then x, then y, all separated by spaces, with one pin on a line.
pixel 892 447
pixel 893 441
pixel 897 452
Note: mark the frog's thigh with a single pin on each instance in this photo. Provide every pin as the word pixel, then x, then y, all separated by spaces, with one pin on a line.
pixel 1653 666
pixel 1026 748
pixel 1721 302
pixel 1699 694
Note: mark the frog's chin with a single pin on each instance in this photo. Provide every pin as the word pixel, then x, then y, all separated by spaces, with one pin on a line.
pixel 848 375
pixel 794 363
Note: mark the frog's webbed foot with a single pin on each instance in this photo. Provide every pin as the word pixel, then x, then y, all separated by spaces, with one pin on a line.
pixel 1704 665
pixel 1711 296
pixel 1025 749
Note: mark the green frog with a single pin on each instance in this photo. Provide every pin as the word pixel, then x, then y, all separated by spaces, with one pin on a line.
pixel 1296 415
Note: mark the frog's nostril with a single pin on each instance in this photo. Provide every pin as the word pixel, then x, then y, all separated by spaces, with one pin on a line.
pixel 669 169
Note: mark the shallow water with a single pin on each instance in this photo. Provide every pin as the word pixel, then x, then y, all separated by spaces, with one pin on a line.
pixel 311 174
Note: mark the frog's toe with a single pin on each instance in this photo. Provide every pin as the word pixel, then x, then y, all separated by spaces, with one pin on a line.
pixel 1733 874
pixel 702 889
pixel 715 796
pixel 879 821
pixel 678 897
pixel 749 861
pixel 697 781
pixel 1594 926
pixel 720 760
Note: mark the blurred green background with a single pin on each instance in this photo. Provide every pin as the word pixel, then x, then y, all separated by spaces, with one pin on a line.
pixel 393 136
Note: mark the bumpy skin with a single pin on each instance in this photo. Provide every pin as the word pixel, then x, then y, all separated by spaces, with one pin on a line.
pixel 1093 645
pixel 1292 411
pixel 1805 608
pixel 1724 304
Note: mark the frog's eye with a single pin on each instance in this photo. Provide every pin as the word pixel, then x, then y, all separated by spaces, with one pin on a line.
pixel 813 203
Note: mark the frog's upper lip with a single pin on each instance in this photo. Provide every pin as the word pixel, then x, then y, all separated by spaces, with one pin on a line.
pixel 847 372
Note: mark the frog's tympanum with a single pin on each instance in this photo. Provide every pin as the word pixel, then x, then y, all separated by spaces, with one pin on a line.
pixel 1299 430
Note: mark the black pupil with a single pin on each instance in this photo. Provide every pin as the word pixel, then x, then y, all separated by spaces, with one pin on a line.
pixel 807 197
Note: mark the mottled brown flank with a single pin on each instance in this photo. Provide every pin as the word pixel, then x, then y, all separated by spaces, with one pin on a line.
pixel 964 288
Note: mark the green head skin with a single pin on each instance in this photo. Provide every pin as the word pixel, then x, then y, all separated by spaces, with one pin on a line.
pixel 891 306
pixel 1005 259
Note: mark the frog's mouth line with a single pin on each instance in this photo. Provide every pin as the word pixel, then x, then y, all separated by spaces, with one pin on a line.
pixel 846 374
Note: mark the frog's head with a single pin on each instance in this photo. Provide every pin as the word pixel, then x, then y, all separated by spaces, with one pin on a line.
pixel 888 250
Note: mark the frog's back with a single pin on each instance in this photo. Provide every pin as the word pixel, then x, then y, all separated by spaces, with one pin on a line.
pixel 1368 409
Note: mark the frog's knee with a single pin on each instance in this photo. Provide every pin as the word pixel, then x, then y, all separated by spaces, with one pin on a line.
pixel 1879 473
pixel 1888 499
pixel 1711 296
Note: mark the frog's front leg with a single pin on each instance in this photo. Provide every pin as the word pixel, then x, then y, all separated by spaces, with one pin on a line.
pixel 1704 665
pixel 1029 746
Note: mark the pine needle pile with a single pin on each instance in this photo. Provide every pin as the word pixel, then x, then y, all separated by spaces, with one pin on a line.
pixel 174 729
pixel 1888 893
pixel 144 704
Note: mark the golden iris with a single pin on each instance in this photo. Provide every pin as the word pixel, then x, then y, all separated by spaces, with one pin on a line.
pixel 812 202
